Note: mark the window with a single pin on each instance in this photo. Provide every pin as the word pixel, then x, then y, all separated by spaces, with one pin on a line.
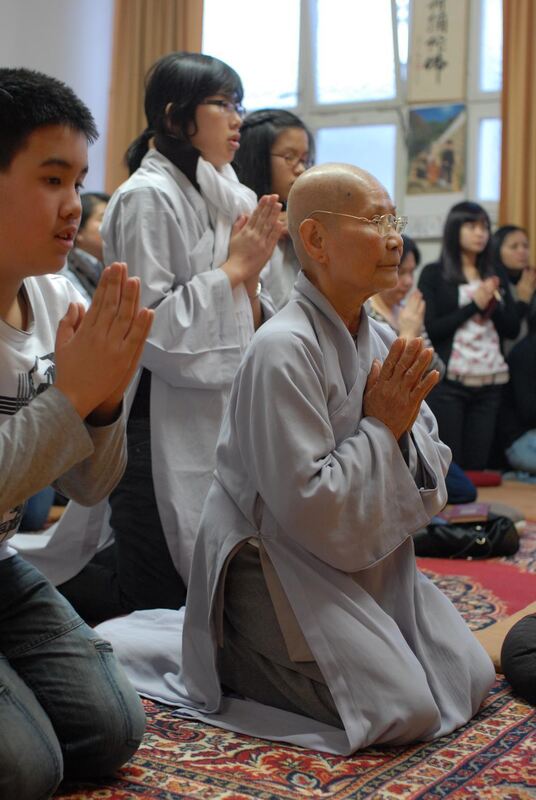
pixel 490 73
pixel 341 65
pixel 489 160
pixel 266 58
pixel 351 63
pixel 373 147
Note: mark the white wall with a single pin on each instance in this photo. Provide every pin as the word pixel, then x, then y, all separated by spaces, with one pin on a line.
pixel 70 40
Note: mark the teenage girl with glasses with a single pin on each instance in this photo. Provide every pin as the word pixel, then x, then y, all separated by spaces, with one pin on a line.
pixel 469 309
pixel 197 239
pixel 275 148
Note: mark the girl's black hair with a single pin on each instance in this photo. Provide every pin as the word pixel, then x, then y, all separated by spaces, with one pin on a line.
pixel 451 252
pixel 182 80
pixel 258 133
pixel 410 246
pixel 89 200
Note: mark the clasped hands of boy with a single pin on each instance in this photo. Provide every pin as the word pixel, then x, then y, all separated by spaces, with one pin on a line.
pixel 98 349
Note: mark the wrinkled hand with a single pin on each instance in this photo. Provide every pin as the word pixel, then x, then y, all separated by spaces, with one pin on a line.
pixel 252 241
pixel 484 292
pixel 411 317
pixel 97 350
pixel 396 389
pixel 527 284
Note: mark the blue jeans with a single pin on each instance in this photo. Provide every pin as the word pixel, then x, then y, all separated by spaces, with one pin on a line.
pixel 65 704
pixel 521 454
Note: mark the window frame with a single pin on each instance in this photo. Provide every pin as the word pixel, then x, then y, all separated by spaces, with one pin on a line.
pixel 395 110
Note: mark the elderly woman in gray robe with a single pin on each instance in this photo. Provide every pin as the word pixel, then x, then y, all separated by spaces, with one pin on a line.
pixel 307 619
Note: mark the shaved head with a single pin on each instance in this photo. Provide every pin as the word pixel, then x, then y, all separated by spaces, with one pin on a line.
pixel 340 188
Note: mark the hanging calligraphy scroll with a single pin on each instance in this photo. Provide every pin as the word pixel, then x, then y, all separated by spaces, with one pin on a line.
pixel 438 51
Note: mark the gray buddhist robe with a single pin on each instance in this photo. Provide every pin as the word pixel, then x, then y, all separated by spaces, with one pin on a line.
pixel 331 499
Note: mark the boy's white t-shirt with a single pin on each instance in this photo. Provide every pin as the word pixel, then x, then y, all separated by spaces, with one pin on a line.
pixel 27 366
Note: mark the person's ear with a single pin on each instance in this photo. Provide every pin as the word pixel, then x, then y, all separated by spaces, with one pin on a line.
pixel 313 236
pixel 171 127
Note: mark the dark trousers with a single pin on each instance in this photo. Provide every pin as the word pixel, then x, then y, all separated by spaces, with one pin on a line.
pixel 467 417
pixel 254 660
pixel 459 488
pixel 136 571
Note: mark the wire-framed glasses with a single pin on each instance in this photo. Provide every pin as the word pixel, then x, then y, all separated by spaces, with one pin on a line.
pixel 386 223
pixel 226 107
pixel 292 160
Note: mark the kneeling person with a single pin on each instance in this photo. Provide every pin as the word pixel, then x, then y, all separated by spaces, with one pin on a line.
pixel 305 595
pixel 66 706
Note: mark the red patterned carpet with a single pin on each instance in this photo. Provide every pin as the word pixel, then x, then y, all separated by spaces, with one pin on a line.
pixel 491 758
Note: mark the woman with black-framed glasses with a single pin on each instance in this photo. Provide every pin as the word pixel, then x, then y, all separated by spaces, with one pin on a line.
pixel 275 148
pixel 197 239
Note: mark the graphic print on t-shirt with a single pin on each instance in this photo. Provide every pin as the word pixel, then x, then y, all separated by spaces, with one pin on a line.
pixel 29 385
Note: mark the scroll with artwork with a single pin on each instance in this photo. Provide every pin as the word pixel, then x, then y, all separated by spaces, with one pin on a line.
pixel 438 51
pixel 436 149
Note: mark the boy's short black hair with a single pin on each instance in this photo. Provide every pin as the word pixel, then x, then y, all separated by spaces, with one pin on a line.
pixel 31 100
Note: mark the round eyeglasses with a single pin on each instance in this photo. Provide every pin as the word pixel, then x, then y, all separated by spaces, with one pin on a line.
pixel 226 107
pixel 386 223
pixel 292 161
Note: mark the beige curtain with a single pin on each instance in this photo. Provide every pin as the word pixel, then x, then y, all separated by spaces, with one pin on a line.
pixel 518 172
pixel 144 30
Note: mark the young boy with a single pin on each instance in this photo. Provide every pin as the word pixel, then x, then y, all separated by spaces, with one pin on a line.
pixel 65 704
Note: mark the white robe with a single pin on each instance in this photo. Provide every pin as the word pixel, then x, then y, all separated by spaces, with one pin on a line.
pixel 279 275
pixel 332 500
pixel 164 229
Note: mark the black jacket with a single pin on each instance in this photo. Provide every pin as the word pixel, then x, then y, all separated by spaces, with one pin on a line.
pixel 518 414
pixel 444 316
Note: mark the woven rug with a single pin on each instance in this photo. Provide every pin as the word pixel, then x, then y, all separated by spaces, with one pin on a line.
pixel 491 758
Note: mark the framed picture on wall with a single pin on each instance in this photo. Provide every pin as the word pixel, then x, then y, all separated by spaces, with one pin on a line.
pixel 436 149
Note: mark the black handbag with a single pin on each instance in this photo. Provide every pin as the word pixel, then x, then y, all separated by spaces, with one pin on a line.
pixel 496 536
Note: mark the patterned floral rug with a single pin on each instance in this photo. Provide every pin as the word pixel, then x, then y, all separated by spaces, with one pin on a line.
pixel 491 758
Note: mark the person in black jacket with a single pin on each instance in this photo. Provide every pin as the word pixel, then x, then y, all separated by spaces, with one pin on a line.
pixel 518 413
pixel 469 310
pixel 510 250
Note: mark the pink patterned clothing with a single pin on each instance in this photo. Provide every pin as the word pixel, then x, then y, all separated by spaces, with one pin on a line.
pixel 476 348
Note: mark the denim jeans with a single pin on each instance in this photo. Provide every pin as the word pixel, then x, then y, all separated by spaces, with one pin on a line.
pixel 521 454
pixel 65 704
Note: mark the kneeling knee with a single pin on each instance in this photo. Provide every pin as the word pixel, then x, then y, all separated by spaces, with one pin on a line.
pixel 118 732
pixel 518 658
pixel 21 780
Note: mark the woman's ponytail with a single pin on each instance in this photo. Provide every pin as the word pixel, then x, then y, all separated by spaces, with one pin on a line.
pixel 137 149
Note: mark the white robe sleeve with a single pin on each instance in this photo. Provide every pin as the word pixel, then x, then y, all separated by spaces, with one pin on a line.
pixel 194 339
pixel 349 503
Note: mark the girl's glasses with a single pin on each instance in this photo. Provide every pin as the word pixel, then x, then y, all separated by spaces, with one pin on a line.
pixel 226 107
pixel 385 224
pixel 292 161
